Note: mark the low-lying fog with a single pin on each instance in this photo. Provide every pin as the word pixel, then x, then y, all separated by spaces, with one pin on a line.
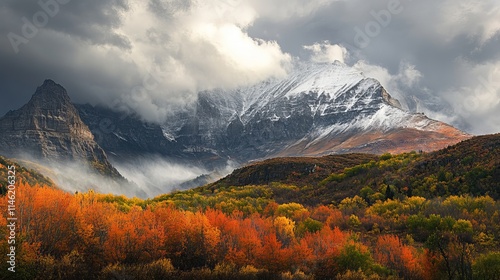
pixel 147 176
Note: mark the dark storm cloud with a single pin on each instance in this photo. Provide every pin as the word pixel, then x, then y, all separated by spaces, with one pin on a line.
pixel 406 36
pixel 53 48
pixel 440 57
pixel 91 20
pixel 436 37
pixel 144 57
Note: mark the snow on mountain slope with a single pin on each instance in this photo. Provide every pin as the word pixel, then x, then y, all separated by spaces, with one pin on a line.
pixel 324 78
pixel 315 103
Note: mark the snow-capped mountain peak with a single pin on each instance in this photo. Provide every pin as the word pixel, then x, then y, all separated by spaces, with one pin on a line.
pixel 315 104
pixel 332 78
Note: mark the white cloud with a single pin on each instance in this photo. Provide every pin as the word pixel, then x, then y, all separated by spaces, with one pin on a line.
pixel 198 48
pixel 326 52
pixel 477 95
pixel 477 19
pixel 408 75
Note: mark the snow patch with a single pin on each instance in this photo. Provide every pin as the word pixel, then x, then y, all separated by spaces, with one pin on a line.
pixel 274 118
pixel 169 136
pixel 120 137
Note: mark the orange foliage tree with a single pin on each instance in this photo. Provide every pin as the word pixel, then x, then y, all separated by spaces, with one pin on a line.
pixel 392 253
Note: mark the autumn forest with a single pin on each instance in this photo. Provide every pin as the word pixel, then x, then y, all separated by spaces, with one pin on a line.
pixel 408 216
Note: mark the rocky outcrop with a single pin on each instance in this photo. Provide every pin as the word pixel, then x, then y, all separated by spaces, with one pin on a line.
pixel 49 127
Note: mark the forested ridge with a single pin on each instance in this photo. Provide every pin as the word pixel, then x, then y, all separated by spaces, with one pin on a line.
pixel 408 216
pixel 470 167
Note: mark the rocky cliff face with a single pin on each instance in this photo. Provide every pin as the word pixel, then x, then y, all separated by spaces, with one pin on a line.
pixel 126 138
pixel 49 127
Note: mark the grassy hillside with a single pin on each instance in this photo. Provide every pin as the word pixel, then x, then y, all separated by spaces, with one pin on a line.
pixel 300 171
pixel 470 167
pixel 22 174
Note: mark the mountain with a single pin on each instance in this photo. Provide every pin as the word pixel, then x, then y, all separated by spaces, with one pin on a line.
pixel 318 109
pixel 49 128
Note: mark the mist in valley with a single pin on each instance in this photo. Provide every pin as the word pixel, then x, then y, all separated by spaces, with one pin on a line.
pixel 145 177
pixel 155 175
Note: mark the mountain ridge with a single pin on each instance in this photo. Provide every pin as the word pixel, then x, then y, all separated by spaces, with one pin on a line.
pixel 471 167
pixel 49 127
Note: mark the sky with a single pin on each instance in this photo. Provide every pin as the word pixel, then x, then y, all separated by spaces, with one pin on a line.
pixel 440 57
